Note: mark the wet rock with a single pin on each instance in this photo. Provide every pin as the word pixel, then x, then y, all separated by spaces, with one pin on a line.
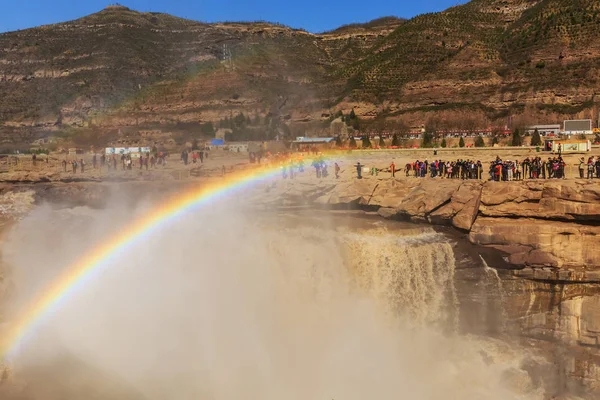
pixel 389 193
pixel 562 200
pixel 358 191
pixel 567 243
pixel 495 193
pixel 534 257
pixel 386 212
pixel 427 197
pixel 462 209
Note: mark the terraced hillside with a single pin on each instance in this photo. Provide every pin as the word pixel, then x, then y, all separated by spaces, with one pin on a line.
pixel 121 70
pixel 494 57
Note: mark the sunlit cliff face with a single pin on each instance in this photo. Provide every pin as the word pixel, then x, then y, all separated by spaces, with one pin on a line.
pixel 223 304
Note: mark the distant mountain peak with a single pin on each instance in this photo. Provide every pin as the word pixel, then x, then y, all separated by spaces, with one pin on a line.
pixel 116 7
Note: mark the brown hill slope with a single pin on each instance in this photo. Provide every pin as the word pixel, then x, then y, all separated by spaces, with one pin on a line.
pixel 121 69
pixel 491 57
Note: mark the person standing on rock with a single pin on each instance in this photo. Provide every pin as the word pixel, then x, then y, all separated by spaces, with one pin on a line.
pixel 184 157
pixel 94 161
pixel 317 166
pixel 64 165
pixel 358 170
pixel 82 166
pixel 337 171
pixel 393 169
pixel 33 159
pixel 74 164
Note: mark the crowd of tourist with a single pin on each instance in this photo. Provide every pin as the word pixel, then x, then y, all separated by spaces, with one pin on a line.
pixel 293 163
pixel 498 170
pixel 592 166
pixel 111 162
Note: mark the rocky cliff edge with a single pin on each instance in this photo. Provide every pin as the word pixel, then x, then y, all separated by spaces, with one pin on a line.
pixel 549 230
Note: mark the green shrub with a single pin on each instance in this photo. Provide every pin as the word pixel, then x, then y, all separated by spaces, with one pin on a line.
pixel 536 140
pixel 366 142
pixel 516 138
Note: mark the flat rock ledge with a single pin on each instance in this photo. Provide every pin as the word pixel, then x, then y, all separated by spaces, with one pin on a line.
pixel 549 230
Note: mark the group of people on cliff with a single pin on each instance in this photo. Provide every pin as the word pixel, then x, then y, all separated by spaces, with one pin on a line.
pixel 592 167
pixel 459 169
pixel 499 170
pixel 196 155
pixel 146 160
pixel 532 168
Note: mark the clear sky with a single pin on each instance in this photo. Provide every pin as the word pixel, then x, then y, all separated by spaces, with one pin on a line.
pixel 312 15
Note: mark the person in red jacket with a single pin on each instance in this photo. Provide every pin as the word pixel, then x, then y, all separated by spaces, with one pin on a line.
pixel 498 171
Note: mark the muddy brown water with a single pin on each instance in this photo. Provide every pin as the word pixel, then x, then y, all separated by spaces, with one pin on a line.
pixel 434 278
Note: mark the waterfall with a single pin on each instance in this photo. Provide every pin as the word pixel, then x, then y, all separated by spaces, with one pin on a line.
pixel 410 275
pixel 226 306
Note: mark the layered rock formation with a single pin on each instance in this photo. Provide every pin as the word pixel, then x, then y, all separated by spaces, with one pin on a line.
pixel 548 229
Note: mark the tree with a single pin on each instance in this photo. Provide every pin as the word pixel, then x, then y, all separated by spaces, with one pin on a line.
pixel 352 142
pixel 239 120
pixel 495 140
pixel 461 142
pixel 208 129
pixel 381 141
pixel 536 140
pixel 427 140
pixel 444 144
pixel 395 140
pixel 479 142
pixel 366 142
pixel 516 138
pixel 285 129
pixel 225 123
pixel 338 141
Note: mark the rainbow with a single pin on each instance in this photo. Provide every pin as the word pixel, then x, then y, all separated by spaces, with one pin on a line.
pixel 70 280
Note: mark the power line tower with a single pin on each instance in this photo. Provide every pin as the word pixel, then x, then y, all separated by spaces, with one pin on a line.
pixel 227 56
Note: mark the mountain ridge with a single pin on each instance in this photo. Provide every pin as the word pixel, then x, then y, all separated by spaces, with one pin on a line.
pixel 474 64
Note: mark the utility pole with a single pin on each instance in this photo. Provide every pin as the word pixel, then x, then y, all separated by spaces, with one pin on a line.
pixel 227 57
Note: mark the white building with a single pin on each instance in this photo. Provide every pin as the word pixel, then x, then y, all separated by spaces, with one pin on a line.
pixel 238 147
pixel 544 130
